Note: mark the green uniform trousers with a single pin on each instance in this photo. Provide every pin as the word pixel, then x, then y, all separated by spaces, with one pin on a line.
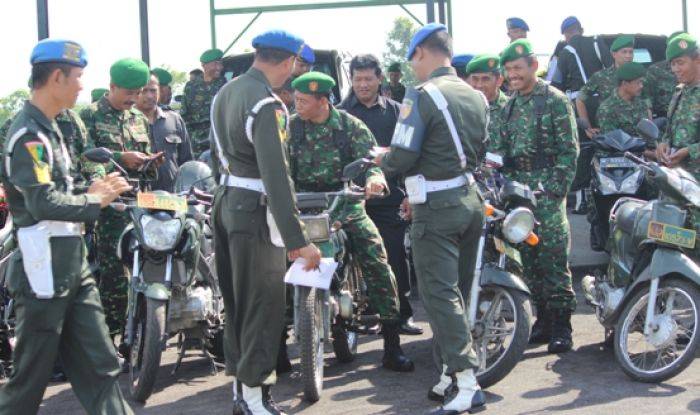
pixel 546 266
pixel 445 237
pixel 113 282
pixel 72 326
pixel 251 276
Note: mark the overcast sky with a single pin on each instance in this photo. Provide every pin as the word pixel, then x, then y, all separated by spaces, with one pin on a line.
pixel 109 29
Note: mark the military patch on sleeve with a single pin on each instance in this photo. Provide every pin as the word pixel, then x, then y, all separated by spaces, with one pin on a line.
pixel 406 107
pixel 281 117
pixel 409 130
pixel 42 171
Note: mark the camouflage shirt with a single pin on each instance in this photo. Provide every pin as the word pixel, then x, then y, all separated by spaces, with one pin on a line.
pixel 196 100
pixel 603 83
pixel 495 120
pixel 659 86
pixel 317 162
pixel 397 92
pixel 119 131
pixel 616 113
pixel 559 139
pixel 684 126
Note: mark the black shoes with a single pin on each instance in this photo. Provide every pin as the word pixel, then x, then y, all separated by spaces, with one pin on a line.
pixel 408 327
pixel 394 359
pixel 542 329
pixel 561 341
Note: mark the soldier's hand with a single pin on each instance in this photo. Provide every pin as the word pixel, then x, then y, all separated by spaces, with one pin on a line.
pixel 132 160
pixel 109 188
pixel 405 211
pixel 158 158
pixel 592 132
pixel 662 153
pixel 677 157
pixel 374 188
pixel 310 253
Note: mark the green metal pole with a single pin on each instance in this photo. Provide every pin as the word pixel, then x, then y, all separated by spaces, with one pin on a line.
pixel 411 14
pixel 245 29
pixel 449 17
pixel 42 17
pixel 212 22
pixel 685 16
pixel 316 6
pixel 143 19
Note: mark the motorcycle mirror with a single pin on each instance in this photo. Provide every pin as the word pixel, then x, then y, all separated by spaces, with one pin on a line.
pixel 583 123
pixel 99 155
pixel 648 129
pixel 354 169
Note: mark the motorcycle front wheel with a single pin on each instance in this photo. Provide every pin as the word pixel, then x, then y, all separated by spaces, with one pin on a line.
pixel 501 332
pixel 310 342
pixel 673 341
pixel 146 349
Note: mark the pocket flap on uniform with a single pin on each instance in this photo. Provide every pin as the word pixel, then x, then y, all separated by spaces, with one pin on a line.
pixel 441 201
pixel 173 139
pixel 245 200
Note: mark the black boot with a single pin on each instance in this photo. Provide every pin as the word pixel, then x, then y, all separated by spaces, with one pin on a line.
pixel 561 341
pixel 394 359
pixel 542 329
pixel 283 363
pixel 268 403
pixel 239 405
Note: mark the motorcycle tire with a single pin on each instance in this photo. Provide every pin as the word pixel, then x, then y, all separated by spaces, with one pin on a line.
pixel 693 293
pixel 344 343
pixel 146 350
pixel 310 343
pixel 511 357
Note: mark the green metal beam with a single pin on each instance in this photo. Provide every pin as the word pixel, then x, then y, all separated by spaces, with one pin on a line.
pixel 314 6
pixel 212 23
pixel 411 14
pixel 242 32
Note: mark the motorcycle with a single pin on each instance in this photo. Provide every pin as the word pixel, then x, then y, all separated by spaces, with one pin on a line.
pixel 612 176
pixel 648 301
pixel 173 289
pixel 7 316
pixel 330 317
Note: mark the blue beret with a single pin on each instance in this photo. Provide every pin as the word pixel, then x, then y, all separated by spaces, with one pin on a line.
pixel 517 23
pixel 461 60
pixel 568 22
pixel 307 54
pixel 61 51
pixel 279 39
pixel 421 35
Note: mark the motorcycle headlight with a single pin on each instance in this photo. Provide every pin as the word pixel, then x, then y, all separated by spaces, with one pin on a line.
pixel 317 227
pixel 518 224
pixel 631 184
pixel 607 185
pixel 160 235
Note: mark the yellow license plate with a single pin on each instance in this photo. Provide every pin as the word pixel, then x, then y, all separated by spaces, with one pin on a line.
pixel 672 234
pixel 500 246
pixel 161 202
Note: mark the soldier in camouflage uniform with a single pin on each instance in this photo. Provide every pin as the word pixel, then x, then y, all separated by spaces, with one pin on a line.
pixel 112 123
pixel 539 145
pixel 197 97
pixel 603 83
pixel 323 141
pixel 681 141
pixel 660 83
pixel 625 108
pixel 398 90
pixel 485 76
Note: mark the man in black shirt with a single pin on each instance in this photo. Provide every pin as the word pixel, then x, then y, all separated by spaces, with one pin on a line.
pixel 380 114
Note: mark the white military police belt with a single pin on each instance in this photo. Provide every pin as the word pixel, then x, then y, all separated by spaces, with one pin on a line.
pixel 438 185
pixel 229 180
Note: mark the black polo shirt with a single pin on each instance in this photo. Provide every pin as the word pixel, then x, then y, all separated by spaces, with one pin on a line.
pixel 381 119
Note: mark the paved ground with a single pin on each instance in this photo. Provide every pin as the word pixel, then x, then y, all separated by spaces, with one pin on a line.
pixel 585 381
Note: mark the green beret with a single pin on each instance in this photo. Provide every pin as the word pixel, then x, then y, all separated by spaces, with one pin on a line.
pixel 630 71
pixel 683 44
pixel 164 77
pixel 519 49
pixel 211 55
pixel 98 93
pixel 395 67
pixel 624 41
pixel 484 63
pixel 129 73
pixel 672 35
pixel 313 83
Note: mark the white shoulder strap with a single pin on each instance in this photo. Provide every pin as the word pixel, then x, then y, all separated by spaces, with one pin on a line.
pixel 256 109
pixel 441 104
pixel 13 140
pixel 578 62
pixel 597 50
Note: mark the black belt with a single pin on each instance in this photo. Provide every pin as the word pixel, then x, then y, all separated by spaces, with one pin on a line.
pixel 527 163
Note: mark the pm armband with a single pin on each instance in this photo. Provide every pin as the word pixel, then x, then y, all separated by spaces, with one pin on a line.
pixel 410 127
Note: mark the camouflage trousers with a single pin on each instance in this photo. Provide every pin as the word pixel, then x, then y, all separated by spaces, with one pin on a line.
pixel 199 137
pixel 368 248
pixel 546 265
pixel 113 282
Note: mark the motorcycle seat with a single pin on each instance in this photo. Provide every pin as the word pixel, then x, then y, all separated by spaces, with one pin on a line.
pixel 626 213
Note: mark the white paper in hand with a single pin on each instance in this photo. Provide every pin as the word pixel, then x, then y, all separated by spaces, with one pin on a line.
pixel 318 278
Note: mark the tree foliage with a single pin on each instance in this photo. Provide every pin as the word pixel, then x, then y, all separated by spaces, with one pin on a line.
pixel 12 103
pixel 397 43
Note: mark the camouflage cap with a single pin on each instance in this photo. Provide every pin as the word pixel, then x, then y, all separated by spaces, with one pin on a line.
pixel 484 63
pixel 164 77
pixel 313 83
pixel 129 73
pixel 518 49
pixel 98 93
pixel 681 45
pixel 624 41
pixel 211 55
pixel 630 71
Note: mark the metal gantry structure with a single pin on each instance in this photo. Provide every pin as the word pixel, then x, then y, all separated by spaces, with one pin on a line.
pixel 444 9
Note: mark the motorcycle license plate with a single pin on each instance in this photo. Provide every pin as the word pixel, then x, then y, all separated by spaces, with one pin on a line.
pixel 505 248
pixel 161 202
pixel 672 234
pixel 615 163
